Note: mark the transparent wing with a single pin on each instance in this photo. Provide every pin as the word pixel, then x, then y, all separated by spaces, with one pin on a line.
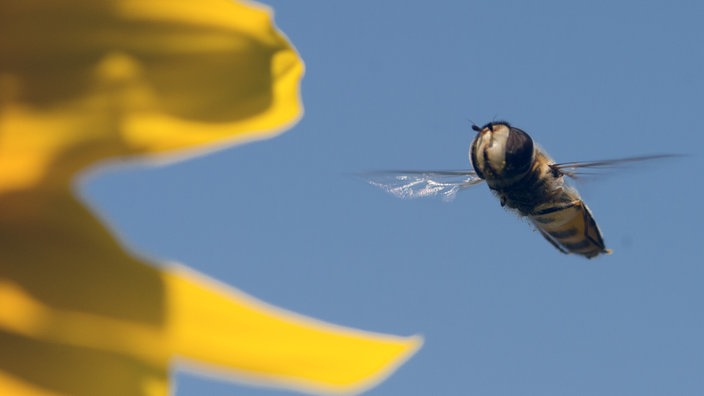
pixel 421 184
pixel 579 169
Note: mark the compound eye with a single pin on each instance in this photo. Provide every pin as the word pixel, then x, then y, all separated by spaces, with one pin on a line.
pixel 473 157
pixel 519 151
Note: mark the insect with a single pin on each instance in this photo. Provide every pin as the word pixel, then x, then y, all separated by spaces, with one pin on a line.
pixel 524 178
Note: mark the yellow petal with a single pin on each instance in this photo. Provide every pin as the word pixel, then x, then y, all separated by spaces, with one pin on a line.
pixel 76 307
pixel 264 343
pixel 73 298
pixel 31 366
pixel 81 81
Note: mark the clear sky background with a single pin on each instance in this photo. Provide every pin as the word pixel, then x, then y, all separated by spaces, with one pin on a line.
pixel 394 84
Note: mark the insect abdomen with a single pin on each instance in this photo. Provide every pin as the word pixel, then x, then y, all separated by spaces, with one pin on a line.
pixel 570 227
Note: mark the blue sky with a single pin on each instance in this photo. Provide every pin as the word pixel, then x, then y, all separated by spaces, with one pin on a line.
pixel 394 85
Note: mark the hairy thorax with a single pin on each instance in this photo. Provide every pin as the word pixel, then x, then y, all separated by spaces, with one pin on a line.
pixel 538 187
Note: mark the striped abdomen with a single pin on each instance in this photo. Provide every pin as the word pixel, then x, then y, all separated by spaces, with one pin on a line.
pixel 570 227
pixel 554 208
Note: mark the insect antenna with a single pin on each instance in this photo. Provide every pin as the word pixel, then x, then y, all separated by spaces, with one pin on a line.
pixel 475 127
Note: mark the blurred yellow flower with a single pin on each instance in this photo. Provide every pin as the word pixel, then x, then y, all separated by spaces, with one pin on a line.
pixel 85 81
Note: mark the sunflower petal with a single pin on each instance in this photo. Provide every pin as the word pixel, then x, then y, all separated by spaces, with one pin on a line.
pixel 263 343
pixel 82 301
pixel 84 81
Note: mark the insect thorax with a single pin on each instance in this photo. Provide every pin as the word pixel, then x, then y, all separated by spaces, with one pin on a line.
pixel 538 186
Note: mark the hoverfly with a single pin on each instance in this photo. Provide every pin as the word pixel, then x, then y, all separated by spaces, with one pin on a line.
pixel 524 178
